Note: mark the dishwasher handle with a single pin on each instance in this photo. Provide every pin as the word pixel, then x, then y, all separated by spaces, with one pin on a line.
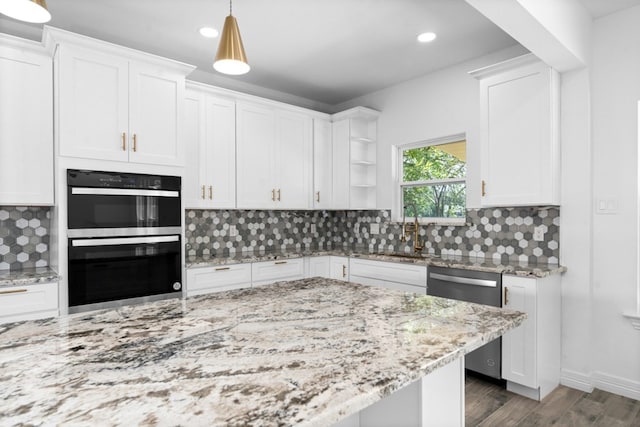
pixel 464 280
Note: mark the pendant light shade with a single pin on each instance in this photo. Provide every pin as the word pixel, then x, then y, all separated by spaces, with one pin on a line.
pixel 34 11
pixel 231 58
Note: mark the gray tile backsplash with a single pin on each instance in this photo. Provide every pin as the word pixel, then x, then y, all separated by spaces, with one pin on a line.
pixel 24 237
pixel 499 233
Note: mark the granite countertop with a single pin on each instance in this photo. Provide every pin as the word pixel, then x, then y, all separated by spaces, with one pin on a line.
pixel 28 276
pixel 466 263
pixel 307 352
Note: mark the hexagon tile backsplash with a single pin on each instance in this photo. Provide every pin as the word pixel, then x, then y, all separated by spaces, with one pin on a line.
pixel 505 234
pixel 24 237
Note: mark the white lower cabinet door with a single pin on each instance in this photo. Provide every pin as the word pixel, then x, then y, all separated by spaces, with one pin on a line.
pixel 318 266
pixel 37 301
pixel 215 279
pixel 339 269
pixel 267 272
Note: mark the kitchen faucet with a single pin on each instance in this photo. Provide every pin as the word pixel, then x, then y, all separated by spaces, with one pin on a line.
pixel 414 228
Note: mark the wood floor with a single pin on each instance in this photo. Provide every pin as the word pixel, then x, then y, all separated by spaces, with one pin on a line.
pixel 488 404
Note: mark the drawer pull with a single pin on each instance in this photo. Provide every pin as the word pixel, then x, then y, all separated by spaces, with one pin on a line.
pixel 203 192
pixel 506 296
pixel 223 268
pixel 280 262
pixel 344 270
pixel 13 291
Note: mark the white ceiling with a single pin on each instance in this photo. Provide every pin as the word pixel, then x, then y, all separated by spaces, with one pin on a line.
pixel 323 51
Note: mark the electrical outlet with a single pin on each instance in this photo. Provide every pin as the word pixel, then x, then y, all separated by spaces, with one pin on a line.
pixel 538 233
pixel 313 228
pixel 374 228
pixel 233 231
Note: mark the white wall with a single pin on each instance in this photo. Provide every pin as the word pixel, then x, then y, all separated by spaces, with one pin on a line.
pixel 615 95
pixel 439 104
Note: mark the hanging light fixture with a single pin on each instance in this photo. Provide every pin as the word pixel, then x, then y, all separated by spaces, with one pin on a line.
pixel 231 58
pixel 34 11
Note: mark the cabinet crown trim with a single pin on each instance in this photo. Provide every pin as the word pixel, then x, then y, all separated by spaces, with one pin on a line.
pixel 509 64
pixel 356 112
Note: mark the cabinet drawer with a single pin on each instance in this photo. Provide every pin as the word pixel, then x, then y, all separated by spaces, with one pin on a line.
pixel 415 275
pixel 216 279
pixel 267 272
pixel 28 302
pixel 387 284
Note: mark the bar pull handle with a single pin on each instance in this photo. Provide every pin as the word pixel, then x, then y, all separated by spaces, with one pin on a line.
pixel 124 141
pixel 506 296
pixel 484 193
pixel 280 262
pixel 344 270
pixel 135 142
pixel 13 291
pixel 211 192
pixel 318 196
pixel 278 194
pixel 203 192
pixel 273 194
pixel 223 268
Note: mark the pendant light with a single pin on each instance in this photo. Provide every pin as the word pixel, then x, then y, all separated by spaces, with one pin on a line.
pixel 231 58
pixel 34 11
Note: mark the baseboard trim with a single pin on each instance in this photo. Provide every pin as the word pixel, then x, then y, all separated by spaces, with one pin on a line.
pixel 617 385
pixel 577 380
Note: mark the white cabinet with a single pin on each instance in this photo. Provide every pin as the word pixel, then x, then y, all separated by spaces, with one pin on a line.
pixel 393 275
pixel 339 268
pixel 322 165
pixel 520 150
pixel 215 279
pixel 29 302
pixel 531 352
pixel 117 104
pixel 317 266
pixel 354 158
pixel 210 139
pixel 267 272
pixel 274 158
pixel 26 123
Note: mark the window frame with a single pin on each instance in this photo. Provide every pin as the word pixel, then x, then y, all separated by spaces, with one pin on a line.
pixel 399 184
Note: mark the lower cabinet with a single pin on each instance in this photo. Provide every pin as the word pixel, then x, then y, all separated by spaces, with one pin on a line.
pixel 220 278
pixel 267 272
pixel 339 268
pixel 391 275
pixel 29 302
pixel 531 352
pixel 317 266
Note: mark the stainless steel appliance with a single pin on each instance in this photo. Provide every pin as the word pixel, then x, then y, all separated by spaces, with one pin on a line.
pixel 124 236
pixel 472 286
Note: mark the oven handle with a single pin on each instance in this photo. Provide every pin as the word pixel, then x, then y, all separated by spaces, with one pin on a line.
pixel 123 192
pixel 125 241
pixel 464 280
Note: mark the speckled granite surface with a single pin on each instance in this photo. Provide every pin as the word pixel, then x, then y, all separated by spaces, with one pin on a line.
pixel 28 276
pixel 467 263
pixel 307 352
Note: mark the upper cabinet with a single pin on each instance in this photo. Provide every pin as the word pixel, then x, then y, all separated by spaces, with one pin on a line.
pixel 519 107
pixel 322 165
pixel 117 104
pixel 274 157
pixel 26 123
pixel 354 158
pixel 210 139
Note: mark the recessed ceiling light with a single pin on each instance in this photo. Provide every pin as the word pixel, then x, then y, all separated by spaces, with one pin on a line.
pixel 426 37
pixel 208 32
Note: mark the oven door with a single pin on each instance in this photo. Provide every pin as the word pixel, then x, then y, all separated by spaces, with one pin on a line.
pixel 111 269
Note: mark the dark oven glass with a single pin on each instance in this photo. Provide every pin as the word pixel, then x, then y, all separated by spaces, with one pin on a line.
pixel 111 269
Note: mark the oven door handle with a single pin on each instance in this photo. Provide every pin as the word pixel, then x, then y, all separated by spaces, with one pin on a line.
pixel 124 192
pixel 124 241
pixel 464 280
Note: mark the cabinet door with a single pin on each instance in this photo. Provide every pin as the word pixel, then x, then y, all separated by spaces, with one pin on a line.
pixel 255 127
pixel 322 165
pixel 293 160
pixel 218 161
pixel 339 268
pixel 26 128
pixel 193 191
pixel 520 137
pixel 93 104
pixel 318 266
pixel 341 164
pixel 156 106
pixel 519 345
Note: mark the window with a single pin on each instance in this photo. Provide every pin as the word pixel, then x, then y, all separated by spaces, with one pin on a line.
pixel 433 180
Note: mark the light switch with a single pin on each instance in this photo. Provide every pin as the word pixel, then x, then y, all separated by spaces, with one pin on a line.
pixel 233 231
pixel 606 206
pixel 374 228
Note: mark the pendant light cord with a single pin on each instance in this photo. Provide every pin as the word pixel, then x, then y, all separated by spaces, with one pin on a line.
pixel 230 8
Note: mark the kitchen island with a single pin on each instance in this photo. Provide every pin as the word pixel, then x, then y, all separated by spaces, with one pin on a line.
pixel 309 352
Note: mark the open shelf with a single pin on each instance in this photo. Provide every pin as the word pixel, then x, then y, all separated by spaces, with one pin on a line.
pixel 363 163
pixel 363 139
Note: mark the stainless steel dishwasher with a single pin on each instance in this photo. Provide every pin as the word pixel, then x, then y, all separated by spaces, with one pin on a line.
pixel 472 286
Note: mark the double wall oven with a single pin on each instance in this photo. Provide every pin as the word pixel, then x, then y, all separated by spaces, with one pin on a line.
pixel 124 238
